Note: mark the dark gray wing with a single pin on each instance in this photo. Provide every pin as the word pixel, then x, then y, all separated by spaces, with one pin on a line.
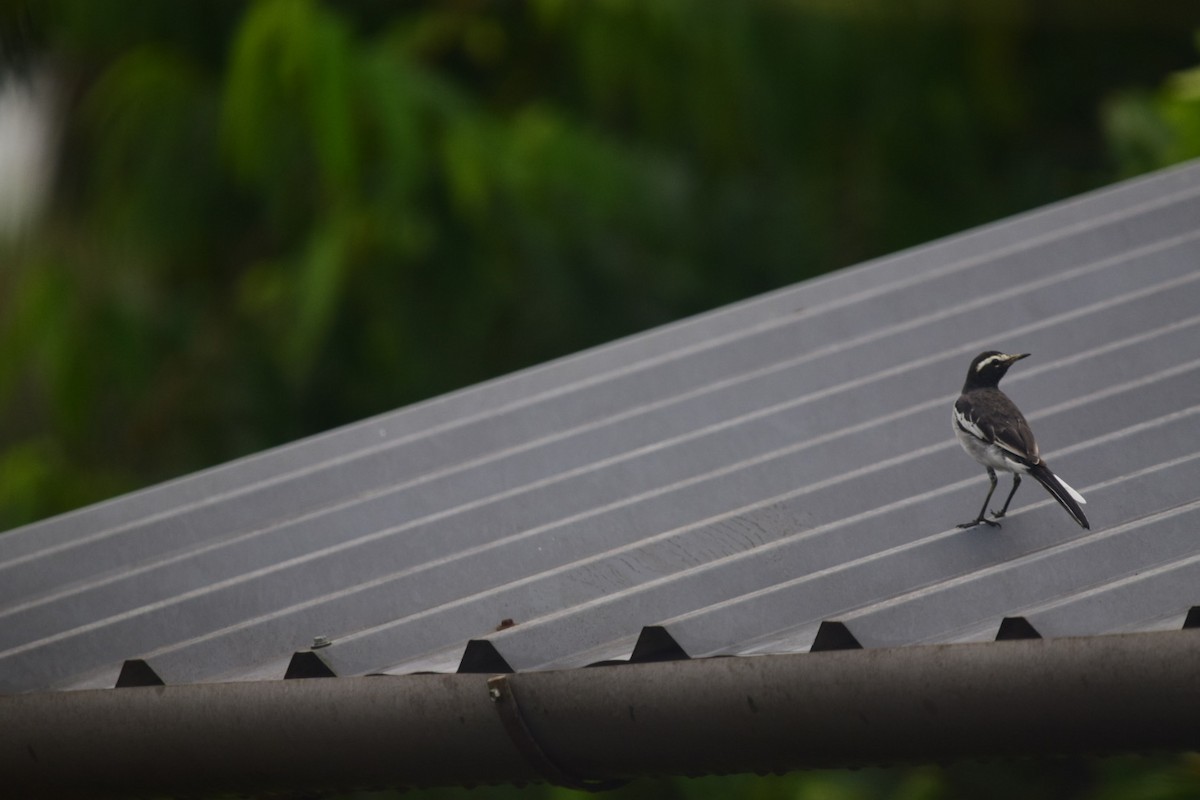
pixel 989 415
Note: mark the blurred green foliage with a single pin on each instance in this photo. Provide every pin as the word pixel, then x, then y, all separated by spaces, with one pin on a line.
pixel 1123 778
pixel 1153 128
pixel 275 217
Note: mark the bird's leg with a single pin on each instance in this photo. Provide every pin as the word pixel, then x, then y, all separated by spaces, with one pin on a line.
pixel 983 511
pixel 1016 483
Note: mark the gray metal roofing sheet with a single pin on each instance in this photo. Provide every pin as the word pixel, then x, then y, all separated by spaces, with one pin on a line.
pixel 736 478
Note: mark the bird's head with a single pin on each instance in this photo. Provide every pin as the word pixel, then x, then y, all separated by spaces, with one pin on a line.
pixel 989 367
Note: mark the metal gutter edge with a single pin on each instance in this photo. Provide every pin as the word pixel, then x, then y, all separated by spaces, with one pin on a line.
pixel 1034 697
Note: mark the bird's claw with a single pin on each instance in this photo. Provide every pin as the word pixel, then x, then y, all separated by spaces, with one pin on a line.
pixel 981 520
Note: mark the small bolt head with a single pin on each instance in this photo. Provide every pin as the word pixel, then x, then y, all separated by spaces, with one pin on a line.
pixel 320 641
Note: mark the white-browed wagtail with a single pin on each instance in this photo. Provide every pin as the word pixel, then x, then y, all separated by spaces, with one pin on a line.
pixel 993 431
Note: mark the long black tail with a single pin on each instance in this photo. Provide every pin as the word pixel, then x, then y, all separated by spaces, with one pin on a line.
pixel 1067 497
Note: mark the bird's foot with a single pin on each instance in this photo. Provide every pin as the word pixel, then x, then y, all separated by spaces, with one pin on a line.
pixel 981 520
pixel 998 514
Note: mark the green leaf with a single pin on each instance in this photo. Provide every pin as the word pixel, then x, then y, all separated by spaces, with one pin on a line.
pixel 288 97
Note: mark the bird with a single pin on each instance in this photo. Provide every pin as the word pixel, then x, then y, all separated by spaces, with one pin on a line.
pixel 993 431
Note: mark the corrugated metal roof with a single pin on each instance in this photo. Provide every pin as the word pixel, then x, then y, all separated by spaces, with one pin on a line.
pixel 735 480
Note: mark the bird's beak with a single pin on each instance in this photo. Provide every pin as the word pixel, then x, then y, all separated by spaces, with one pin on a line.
pixel 1017 356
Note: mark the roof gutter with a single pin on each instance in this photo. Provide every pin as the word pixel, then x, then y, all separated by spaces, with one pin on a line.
pixel 1135 692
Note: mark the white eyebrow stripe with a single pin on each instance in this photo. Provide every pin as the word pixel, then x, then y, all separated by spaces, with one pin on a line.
pixel 989 361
